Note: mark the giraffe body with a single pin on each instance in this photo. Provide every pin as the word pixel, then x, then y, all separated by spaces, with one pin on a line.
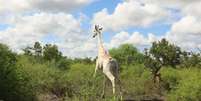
pixel 106 63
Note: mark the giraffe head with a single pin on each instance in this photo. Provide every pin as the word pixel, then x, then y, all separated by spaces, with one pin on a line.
pixel 97 30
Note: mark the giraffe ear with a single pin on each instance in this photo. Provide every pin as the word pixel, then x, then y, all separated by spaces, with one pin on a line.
pixel 101 28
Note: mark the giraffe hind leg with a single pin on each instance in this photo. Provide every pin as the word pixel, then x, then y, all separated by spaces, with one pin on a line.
pixel 112 79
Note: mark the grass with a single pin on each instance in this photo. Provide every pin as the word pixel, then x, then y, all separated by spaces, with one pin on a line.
pixel 78 84
pixel 185 84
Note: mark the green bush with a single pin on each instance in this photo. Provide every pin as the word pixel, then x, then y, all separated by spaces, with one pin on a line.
pixel 137 82
pixel 31 78
pixel 127 54
pixel 45 78
pixel 170 77
pixel 63 64
pixel 189 87
pixel 190 60
pixel 86 87
pixel 185 84
pixel 133 78
pixel 14 83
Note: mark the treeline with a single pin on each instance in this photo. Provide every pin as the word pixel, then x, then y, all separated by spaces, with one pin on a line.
pixel 50 52
pixel 45 70
pixel 161 52
pixel 47 53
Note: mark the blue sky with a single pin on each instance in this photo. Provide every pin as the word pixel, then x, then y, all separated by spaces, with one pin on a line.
pixel 4 26
pixel 68 23
pixel 157 28
pixel 99 5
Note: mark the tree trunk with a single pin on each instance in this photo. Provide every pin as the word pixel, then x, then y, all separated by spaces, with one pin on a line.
pixel 157 77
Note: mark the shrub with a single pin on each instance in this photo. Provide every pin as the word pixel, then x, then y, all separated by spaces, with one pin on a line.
pixel 14 84
pixel 184 84
pixel 127 54
pixel 170 78
pixel 191 60
pixel 45 78
pixel 63 64
pixel 137 82
pixel 189 87
pixel 164 52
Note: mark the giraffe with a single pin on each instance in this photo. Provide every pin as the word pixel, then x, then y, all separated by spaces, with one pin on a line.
pixel 106 63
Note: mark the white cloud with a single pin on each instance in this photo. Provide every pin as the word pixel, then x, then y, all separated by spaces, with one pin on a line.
pixel 58 5
pixel 130 13
pixel 16 6
pixel 136 38
pixel 185 7
pixel 32 20
pixel 186 33
pixel 188 24
pixel 177 4
pixel 28 29
pixel 119 38
pixel 193 9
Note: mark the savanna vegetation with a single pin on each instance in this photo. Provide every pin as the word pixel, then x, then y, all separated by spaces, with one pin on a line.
pixel 42 73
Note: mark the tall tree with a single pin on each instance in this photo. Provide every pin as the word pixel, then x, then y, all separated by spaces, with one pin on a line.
pixel 27 51
pixel 127 54
pixel 154 65
pixel 51 52
pixel 37 49
pixel 165 53
pixel 162 53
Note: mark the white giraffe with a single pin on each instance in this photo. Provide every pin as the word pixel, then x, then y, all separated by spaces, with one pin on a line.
pixel 106 63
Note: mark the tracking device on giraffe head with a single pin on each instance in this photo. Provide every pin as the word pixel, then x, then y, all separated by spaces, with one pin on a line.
pixel 97 30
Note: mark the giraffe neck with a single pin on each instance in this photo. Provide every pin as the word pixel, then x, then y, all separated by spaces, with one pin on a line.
pixel 100 42
pixel 101 49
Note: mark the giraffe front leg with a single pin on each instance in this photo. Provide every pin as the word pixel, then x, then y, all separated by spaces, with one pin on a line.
pixel 96 68
pixel 104 86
